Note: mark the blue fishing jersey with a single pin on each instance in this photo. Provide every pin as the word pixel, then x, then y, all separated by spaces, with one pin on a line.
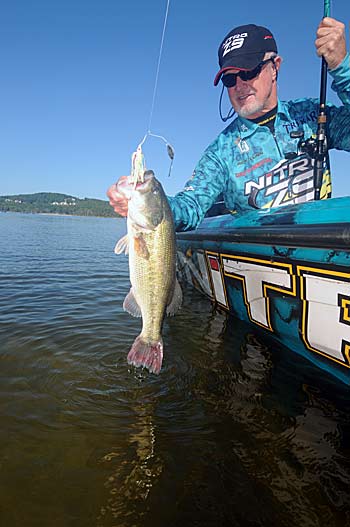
pixel 254 167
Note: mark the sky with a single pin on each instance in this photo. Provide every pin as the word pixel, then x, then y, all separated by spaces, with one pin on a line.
pixel 77 80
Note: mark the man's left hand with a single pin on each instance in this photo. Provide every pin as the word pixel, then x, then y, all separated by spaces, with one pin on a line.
pixel 330 42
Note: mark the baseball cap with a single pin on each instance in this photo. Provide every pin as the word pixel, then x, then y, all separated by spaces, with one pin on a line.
pixel 244 48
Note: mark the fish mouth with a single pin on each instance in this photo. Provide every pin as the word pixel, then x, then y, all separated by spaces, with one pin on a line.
pixel 127 186
pixel 143 186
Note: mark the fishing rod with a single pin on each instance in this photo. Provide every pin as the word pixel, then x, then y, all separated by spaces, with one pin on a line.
pixel 321 135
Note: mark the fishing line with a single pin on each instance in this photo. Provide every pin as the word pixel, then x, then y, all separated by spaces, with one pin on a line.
pixel 158 67
pixel 170 149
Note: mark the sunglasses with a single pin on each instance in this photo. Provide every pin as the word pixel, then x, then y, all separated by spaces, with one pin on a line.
pixel 229 80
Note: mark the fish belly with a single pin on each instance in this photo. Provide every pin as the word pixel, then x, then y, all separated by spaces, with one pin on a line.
pixel 153 278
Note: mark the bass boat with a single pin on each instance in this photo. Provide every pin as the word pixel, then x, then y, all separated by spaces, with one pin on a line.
pixel 285 270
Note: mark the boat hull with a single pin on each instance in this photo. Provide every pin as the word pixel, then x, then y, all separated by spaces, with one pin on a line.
pixel 285 270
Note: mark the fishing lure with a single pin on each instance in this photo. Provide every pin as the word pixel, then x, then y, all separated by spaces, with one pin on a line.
pixel 138 166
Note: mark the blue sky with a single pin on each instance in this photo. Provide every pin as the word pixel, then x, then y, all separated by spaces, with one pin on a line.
pixel 77 78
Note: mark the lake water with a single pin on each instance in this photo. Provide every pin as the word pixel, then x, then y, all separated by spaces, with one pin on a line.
pixel 234 431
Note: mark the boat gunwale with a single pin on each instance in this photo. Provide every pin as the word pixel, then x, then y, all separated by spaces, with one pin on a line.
pixel 335 236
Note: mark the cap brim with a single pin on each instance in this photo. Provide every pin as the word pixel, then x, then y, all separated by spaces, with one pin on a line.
pixel 241 63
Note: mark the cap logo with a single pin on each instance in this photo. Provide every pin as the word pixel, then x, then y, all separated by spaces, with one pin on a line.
pixel 233 42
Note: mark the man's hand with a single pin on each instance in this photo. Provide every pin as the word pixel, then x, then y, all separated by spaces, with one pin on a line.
pixel 330 41
pixel 117 200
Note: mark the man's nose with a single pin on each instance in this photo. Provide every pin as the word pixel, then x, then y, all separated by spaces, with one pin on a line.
pixel 240 82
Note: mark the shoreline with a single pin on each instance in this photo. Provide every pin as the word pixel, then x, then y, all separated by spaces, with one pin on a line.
pixel 61 214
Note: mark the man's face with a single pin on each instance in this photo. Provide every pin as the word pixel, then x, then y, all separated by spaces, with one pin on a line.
pixel 252 98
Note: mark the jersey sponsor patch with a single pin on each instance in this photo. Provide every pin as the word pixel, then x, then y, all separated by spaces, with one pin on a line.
pixel 243 146
pixel 286 183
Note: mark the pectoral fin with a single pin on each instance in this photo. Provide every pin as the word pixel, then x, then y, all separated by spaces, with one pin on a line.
pixel 131 306
pixel 176 300
pixel 122 245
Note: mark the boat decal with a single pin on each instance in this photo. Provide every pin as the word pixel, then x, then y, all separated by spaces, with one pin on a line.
pixel 217 280
pixel 325 296
pixel 258 277
pixel 321 296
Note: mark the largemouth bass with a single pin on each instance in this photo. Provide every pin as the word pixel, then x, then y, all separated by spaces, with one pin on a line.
pixel 150 242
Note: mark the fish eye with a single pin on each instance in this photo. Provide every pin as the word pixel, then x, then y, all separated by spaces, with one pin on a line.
pixel 155 191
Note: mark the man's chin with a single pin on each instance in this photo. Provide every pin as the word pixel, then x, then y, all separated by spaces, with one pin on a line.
pixel 249 111
pixel 250 114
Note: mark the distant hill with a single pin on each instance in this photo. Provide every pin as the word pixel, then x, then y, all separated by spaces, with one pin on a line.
pixel 52 203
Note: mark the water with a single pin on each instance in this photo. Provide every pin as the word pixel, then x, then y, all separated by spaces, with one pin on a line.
pixel 234 431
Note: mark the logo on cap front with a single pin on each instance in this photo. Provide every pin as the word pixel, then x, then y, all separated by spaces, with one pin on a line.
pixel 233 42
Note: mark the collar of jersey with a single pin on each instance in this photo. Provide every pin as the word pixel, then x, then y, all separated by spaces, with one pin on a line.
pixel 247 128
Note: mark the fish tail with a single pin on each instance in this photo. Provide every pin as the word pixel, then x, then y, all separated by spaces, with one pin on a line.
pixel 148 354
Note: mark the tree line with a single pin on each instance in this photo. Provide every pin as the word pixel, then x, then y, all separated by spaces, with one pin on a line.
pixel 56 203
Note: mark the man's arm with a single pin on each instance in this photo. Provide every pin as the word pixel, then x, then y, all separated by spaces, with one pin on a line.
pixel 331 44
pixel 338 122
pixel 200 192
pixel 341 80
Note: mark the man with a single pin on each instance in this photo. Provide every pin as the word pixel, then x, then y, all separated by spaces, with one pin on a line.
pixel 254 162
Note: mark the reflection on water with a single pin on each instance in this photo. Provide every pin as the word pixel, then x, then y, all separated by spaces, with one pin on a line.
pixel 234 431
pixel 129 483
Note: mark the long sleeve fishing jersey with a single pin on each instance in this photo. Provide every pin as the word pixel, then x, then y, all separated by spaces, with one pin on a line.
pixel 249 164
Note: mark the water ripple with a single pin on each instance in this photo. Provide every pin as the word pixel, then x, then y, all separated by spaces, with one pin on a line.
pixel 234 431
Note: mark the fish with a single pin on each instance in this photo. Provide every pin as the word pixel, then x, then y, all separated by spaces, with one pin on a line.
pixel 151 245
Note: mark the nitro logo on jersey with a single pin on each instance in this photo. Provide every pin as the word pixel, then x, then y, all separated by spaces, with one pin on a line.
pixel 233 42
pixel 287 183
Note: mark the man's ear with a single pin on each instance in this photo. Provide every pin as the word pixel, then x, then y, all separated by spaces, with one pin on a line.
pixel 278 61
pixel 277 64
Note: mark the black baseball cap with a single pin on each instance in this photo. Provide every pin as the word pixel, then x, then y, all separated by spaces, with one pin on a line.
pixel 244 48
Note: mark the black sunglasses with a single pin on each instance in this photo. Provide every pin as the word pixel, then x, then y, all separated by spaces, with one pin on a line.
pixel 229 80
